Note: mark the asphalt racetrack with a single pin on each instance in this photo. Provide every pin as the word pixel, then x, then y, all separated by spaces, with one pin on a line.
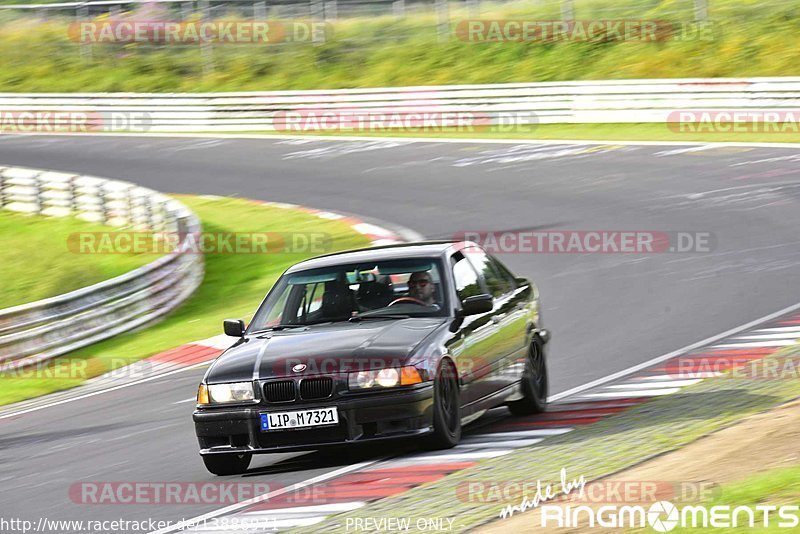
pixel 607 312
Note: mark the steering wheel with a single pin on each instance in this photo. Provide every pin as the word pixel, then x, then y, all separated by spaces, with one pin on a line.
pixel 412 300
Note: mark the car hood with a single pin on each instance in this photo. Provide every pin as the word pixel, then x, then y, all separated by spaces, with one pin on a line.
pixel 323 349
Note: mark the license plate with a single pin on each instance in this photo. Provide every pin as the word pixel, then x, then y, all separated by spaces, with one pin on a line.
pixel 299 419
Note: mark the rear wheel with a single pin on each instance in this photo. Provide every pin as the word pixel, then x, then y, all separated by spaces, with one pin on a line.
pixel 534 383
pixel 227 464
pixel 446 409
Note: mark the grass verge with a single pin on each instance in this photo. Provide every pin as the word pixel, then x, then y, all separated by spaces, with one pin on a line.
pixel 233 286
pixel 593 132
pixel 745 39
pixel 36 263
pixel 775 487
pixel 594 451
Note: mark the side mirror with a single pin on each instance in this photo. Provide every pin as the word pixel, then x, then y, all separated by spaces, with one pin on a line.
pixel 233 327
pixel 477 304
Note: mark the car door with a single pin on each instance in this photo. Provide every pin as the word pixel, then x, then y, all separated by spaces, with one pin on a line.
pixel 509 314
pixel 473 347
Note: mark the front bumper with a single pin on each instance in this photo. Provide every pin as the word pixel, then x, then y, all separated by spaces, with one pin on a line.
pixel 367 417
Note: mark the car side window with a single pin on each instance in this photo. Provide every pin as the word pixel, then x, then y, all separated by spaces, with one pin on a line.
pixel 465 277
pixel 312 300
pixel 497 284
pixel 504 272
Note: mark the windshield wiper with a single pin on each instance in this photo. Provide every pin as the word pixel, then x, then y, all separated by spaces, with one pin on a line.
pixel 277 328
pixel 357 318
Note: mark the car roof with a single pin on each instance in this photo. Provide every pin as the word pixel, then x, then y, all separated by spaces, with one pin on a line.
pixel 419 249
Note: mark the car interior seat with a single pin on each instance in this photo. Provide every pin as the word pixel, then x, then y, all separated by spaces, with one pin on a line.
pixel 337 301
pixel 373 295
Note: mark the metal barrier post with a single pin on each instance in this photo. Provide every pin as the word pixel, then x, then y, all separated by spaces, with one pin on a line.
pixel 700 9
pixel 474 8
pixel 331 10
pixel 399 9
pixel 39 203
pixel 186 10
pixel 73 195
pixel 317 9
pixel 567 10
pixel 101 194
pixel 206 49
pixel 260 10
pixel 82 13
pixel 442 20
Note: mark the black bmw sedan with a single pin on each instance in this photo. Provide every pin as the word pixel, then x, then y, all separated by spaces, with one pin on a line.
pixel 411 340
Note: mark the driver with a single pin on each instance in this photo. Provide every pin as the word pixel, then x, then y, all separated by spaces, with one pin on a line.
pixel 420 287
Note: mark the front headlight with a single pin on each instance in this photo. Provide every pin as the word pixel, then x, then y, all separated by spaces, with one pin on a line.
pixel 384 378
pixel 234 392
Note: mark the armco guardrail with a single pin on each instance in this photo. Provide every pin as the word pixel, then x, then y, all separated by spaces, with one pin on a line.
pixel 37 331
pixel 622 101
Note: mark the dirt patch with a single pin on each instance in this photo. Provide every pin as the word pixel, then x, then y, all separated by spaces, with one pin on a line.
pixel 757 443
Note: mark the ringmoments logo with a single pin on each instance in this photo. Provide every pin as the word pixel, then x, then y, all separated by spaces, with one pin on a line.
pixel 664 516
pixel 558 504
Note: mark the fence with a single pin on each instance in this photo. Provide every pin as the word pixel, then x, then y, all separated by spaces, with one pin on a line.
pixel 635 101
pixel 38 331
pixel 358 30
pixel 336 9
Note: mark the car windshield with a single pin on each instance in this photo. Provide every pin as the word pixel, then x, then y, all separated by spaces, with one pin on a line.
pixel 382 289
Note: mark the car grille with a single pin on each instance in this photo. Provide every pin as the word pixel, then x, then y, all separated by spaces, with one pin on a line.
pixel 316 388
pixel 279 391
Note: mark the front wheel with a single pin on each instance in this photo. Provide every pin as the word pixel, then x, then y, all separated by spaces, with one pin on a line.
pixel 446 409
pixel 227 464
pixel 534 383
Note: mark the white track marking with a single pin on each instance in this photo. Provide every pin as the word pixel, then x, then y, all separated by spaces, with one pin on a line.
pixel 417 139
pixel 632 393
pixel 100 392
pixel 330 215
pixel 220 342
pixel 673 354
pixel 450 457
pixel 544 432
pixel 756 344
pixel 650 385
pixel 681 375
pixel 785 335
pixel 190 399
pixel 299 511
pixel 483 443
pixel 183 525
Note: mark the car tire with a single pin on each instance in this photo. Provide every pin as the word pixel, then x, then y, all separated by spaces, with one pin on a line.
pixel 446 409
pixel 227 464
pixel 534 383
